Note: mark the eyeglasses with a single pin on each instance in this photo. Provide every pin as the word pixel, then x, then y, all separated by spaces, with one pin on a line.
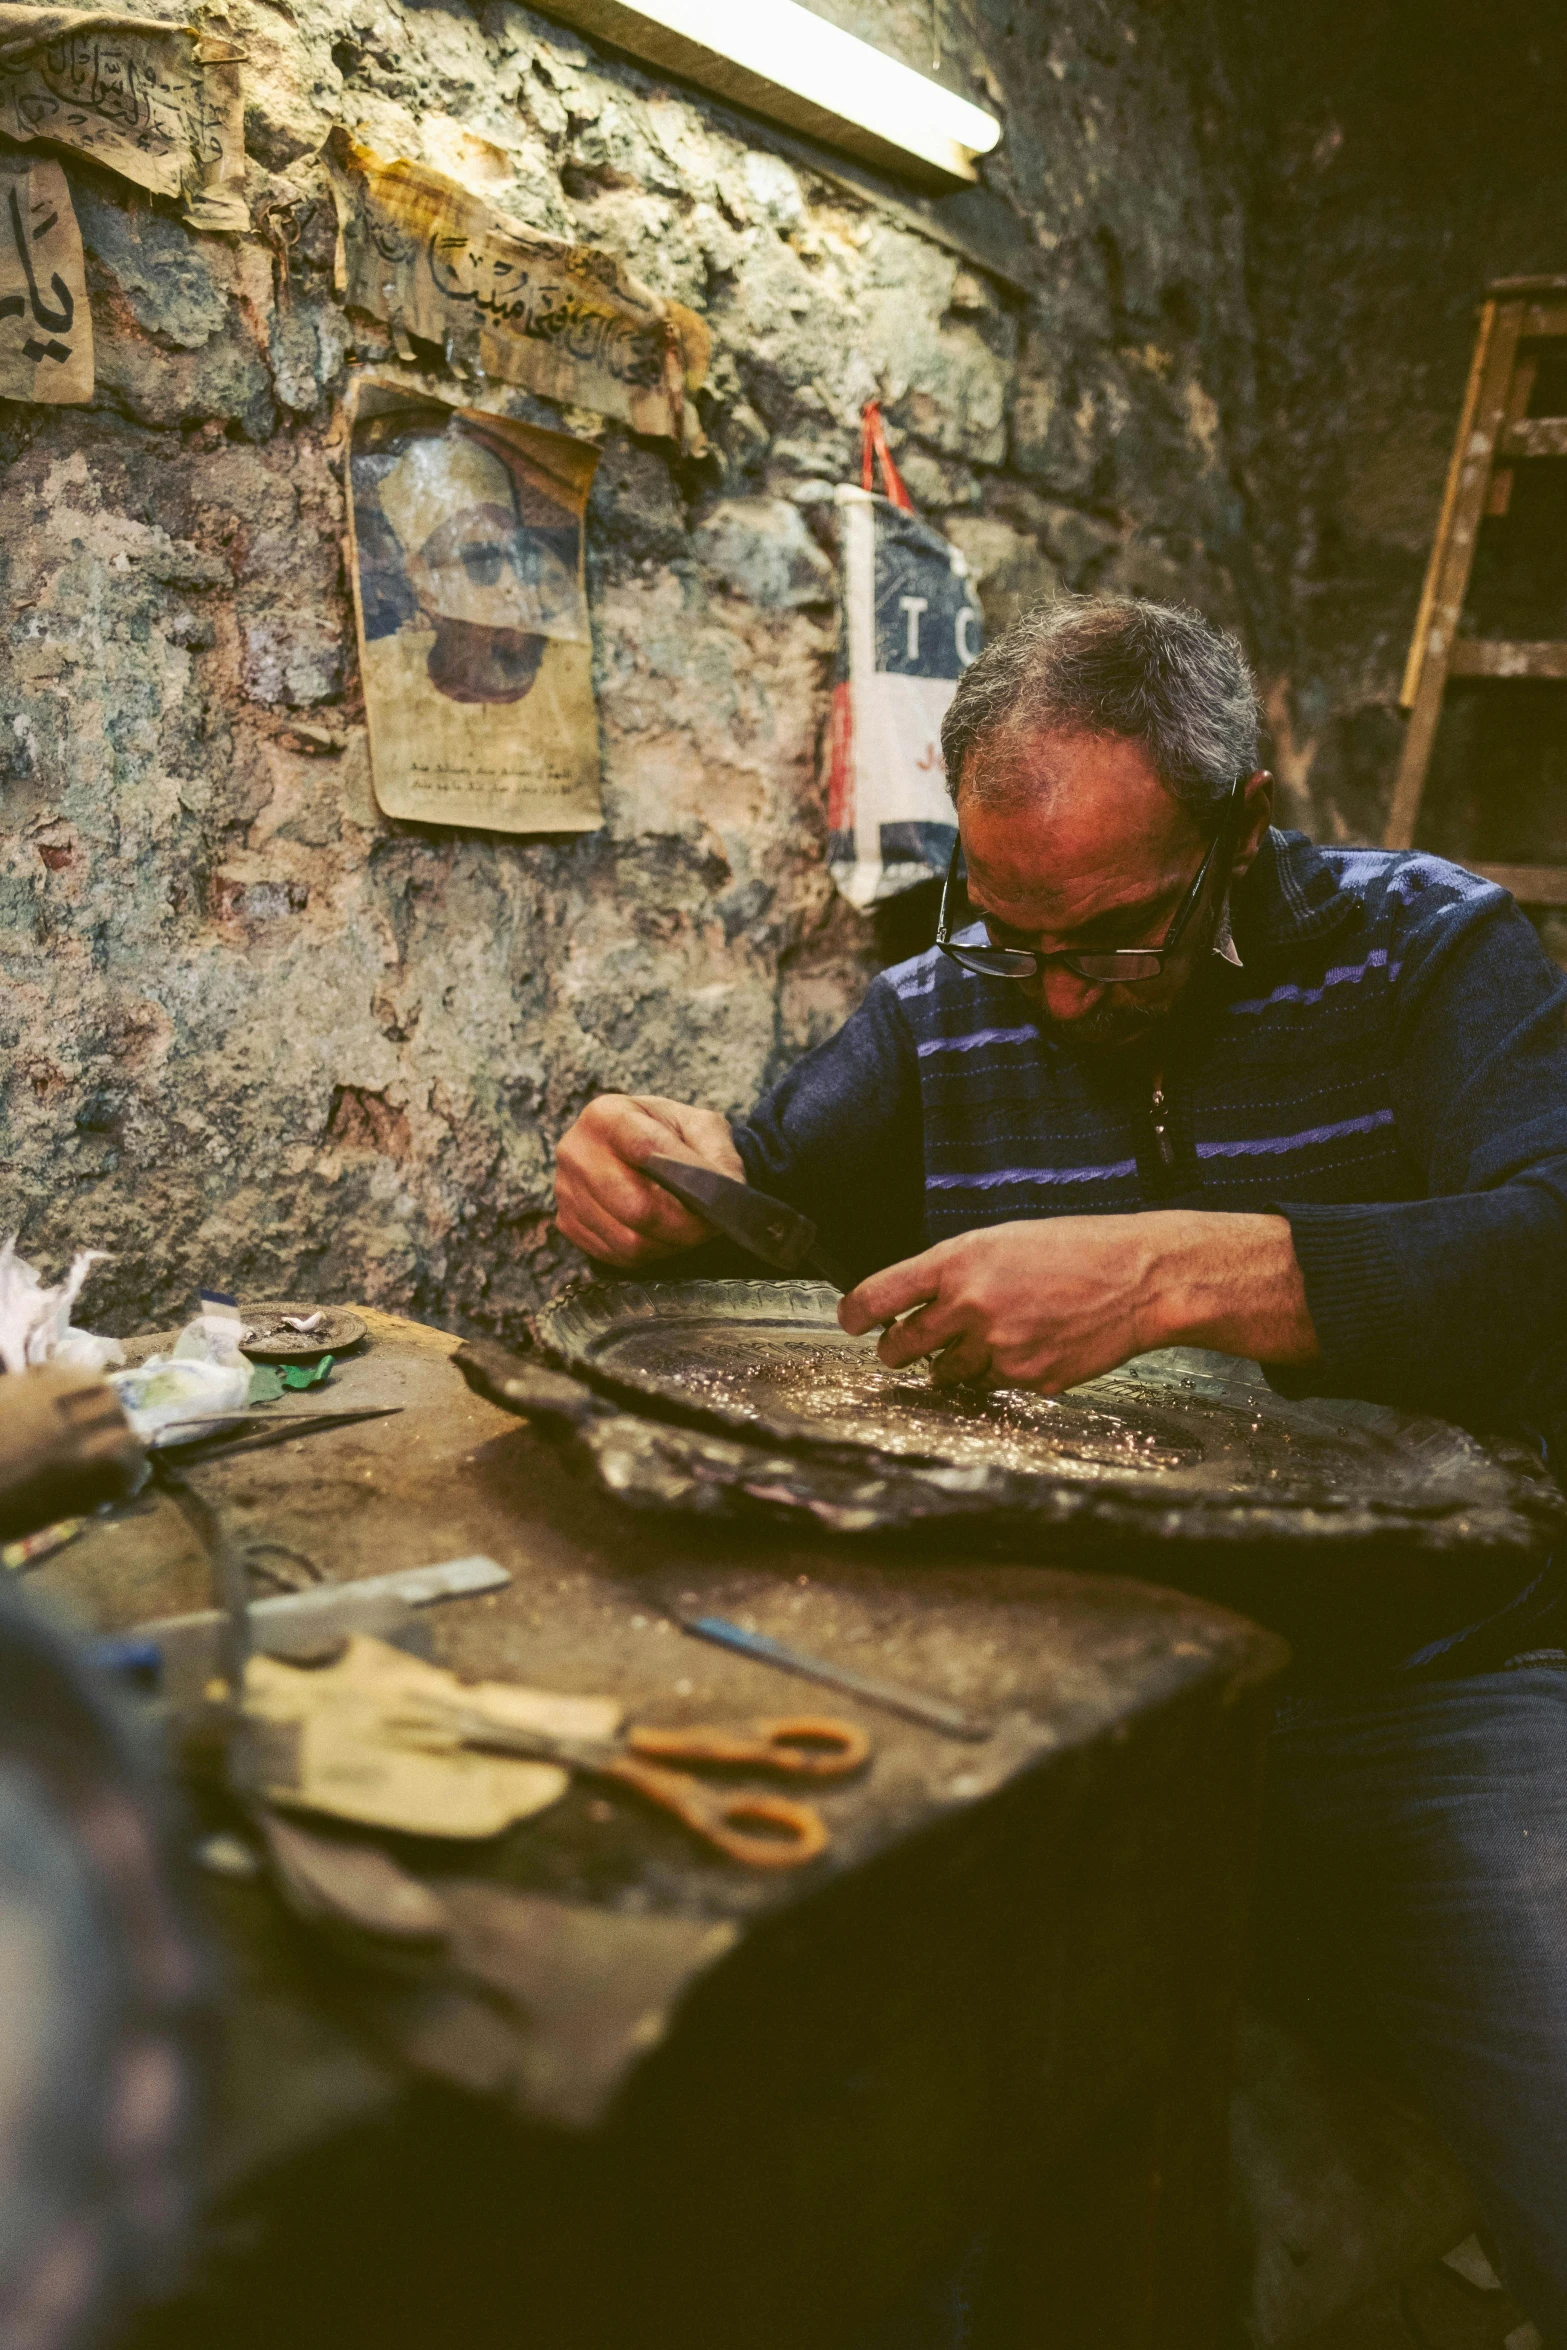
pixel 1109 966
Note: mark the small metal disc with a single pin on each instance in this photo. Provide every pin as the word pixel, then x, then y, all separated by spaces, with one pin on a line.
pixel 267 1341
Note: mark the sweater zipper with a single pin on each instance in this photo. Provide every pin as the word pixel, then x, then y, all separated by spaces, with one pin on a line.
pixel 1160 1114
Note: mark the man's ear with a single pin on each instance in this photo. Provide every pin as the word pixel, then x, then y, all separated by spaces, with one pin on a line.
pixel 1256 816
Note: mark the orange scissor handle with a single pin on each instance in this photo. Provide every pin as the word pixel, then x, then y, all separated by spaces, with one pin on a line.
pixel 807 1746
pixel 764 1831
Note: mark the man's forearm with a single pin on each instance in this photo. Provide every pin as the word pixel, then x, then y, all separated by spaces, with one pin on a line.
pixel 1059 1299
pixel 1226 1281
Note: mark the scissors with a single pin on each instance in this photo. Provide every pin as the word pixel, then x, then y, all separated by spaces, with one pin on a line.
pixel 765 1831
pixel 768 1227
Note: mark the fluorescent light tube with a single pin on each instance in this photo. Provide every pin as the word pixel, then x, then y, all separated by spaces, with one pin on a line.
pixel 783 61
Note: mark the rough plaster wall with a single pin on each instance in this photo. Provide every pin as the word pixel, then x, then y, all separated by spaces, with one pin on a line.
pixel 1398 161
pixel 253 1033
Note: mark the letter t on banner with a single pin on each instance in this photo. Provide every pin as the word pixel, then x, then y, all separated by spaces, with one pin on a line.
pixel 908 628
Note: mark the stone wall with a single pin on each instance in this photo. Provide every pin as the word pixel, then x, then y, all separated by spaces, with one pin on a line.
pixel 254 1034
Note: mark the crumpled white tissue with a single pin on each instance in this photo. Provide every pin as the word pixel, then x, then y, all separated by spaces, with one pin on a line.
pixel 205 1372
pixel 35 1322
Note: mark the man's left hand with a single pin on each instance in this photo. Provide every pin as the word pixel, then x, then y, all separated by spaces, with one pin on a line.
pixel 1049 1304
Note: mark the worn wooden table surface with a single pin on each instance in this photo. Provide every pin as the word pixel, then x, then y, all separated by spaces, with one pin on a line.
pixel 1006 1986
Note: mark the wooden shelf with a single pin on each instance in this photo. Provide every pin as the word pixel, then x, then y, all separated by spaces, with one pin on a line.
pixel 1543 318
pixel 1531 885
pixel 1535 436
pixel 1484 656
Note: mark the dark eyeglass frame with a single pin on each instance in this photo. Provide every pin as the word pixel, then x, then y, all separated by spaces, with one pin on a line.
pixel 1108 966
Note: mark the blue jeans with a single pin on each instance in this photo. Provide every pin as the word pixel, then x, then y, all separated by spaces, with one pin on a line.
pixel 1415 1886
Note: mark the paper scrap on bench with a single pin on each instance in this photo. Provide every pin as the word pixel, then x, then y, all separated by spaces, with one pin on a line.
pixel 327 1740
pixel 35 1320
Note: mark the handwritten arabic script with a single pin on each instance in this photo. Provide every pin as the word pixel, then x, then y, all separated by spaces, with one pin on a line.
pixel 46 350
pixel 159 104
pixel 546 304
pixel 564 320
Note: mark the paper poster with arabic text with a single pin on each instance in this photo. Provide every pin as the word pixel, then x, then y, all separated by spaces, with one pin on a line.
pixel 46 349
pixel 465 539
pixel 161 104
pixel 566 321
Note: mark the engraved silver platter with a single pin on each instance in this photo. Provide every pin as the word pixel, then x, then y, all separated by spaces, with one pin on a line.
pixel 739 1397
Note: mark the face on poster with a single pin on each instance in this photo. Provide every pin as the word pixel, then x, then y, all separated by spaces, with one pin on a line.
pixel 474 626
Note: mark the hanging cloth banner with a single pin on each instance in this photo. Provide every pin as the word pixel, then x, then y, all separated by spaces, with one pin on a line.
pixel 909 629
pixel 566 321
pixel 46 349
pixel 160 104
pixel 465 546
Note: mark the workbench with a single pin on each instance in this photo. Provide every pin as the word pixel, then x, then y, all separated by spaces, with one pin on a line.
pixel 986 2033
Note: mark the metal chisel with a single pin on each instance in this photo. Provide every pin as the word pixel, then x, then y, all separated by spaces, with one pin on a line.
pixel 769 1228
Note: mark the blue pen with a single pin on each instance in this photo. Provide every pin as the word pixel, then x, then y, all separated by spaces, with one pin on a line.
pixel 138 1658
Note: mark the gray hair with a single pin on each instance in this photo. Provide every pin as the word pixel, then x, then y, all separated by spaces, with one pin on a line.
pixel 1158 674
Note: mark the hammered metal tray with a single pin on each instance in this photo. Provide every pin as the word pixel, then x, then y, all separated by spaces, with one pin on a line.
pixel 734 1395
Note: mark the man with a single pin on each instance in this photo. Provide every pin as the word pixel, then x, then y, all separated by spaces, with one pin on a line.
pixel 1189 1080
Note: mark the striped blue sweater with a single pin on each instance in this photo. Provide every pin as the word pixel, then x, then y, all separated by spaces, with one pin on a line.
pixel 1388 1069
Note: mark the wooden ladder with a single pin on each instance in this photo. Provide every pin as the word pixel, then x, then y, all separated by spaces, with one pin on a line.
pixel 1495 432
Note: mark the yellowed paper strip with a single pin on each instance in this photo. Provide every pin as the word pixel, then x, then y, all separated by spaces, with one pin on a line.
pixel 564 320
pixel 160 104
pixel 362 1748
pixel 46 349
pixel 465 537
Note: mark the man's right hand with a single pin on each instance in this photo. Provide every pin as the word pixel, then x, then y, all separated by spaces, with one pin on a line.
pixel 605 1206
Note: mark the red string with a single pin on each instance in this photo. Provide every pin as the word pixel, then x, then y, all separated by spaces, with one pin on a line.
pixel 873 452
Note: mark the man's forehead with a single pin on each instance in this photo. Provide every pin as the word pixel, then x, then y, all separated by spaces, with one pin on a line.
pixel 1074 825
pixel 1069 774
